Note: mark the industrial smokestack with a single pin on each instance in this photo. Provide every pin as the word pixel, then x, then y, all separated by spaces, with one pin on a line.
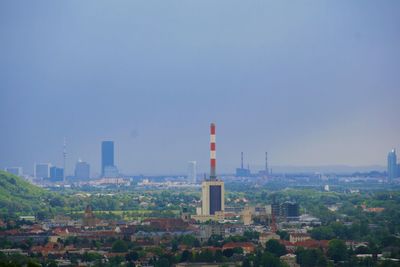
pixel 213 160
pixel 241 160
pixel 266 163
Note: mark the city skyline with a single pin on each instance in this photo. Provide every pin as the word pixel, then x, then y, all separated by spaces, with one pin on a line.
pixel 252 169
pixel 311 87
pixel 199 133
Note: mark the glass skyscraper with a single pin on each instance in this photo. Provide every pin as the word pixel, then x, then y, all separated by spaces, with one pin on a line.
pixel 192 172
pixel 392 165
pixel 107 155
pixel 56 174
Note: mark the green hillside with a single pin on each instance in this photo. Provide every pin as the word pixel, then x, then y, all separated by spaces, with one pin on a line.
pixel 18 196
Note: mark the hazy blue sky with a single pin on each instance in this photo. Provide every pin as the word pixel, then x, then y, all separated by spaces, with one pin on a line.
pixel 312 82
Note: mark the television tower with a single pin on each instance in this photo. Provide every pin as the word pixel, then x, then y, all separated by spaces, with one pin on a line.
pixel 64 158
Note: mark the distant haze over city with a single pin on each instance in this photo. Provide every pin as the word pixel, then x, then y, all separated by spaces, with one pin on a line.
pixel 312 88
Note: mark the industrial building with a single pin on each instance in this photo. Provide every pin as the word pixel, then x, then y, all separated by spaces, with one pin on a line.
pixel 242 172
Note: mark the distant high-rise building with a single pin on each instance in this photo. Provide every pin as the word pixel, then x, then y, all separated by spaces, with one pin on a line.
pixel 107 156
pixel 42 170
pixel 56 174
pixel 212 197
pixel 192 172
pixel 110 172
pixel 398 170
pixel 14 170
pixel 392 165
pixel 82 170
pixel 290 211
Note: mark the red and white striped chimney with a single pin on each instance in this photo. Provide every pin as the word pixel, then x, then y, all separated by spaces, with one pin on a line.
pixel 213 160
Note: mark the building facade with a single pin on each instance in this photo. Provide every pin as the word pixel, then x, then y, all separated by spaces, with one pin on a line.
pixel 107 155
pixel 42 170
pixel 212 197
pixel 56 174
pixel 290 211
pixel 192 172
pixel 82 170
pixel 392 168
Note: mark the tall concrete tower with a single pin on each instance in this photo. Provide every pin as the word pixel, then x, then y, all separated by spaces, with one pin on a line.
pixel 266 164
pixel 213 189
pixel 65 159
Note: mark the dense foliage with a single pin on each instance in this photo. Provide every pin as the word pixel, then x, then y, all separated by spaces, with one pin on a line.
pixel 18 195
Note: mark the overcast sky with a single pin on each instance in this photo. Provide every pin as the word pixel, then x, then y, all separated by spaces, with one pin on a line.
pixel 311 82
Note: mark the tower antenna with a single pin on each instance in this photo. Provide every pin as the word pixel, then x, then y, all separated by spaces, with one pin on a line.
pixel 64 158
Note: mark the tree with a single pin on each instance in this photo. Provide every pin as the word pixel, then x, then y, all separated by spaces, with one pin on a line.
pixel 174 245
pixel 215 240
pixel 310 257
pixel 269 260
pixel 238 250
pixel 337 250
pixel 206 256
pixel 119 246
pixel 186 255
pixel 273 246
pixel 246 262
pixel 283 235
pixel 219 256
pixel 228 252
pixel 132 256
pixel 322 233
pixel 163 262
pixel 88 257
pixel 52 264
pixel 188 240
pixel 116 261
pixel 33 264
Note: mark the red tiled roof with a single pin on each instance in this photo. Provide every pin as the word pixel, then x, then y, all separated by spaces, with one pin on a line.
pixel 299 234
pixel 231 245
pixel 310 243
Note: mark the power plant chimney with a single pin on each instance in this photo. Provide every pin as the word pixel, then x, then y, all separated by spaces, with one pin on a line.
pixel 241 160
pixel 266 163
pixel 213 160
